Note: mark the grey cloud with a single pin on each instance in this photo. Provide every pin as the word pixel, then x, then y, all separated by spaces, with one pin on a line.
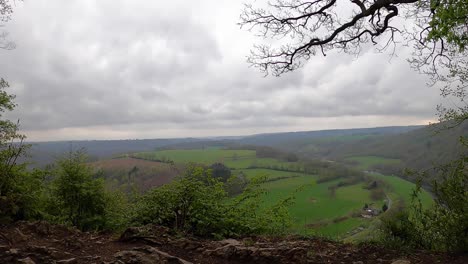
pixel 179 65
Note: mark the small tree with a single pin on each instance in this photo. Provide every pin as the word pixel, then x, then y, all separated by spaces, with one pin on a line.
pixel 191 203
pixel 197 203
pixel 78 198
pixel 220 171
pixel 15 182
pixel 443 226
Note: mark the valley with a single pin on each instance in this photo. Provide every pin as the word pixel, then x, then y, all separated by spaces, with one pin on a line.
pixel 325 207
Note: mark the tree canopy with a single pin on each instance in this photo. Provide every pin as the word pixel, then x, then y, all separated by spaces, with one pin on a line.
pixel 318 26
pixel 6 10
pixel 296 30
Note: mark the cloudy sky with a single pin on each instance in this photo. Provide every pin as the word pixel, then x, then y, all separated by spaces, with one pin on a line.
pixel 117 69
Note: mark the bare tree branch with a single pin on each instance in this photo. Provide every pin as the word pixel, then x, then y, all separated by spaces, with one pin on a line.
pixel 315 26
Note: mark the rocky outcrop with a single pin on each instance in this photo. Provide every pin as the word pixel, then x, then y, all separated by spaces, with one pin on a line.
pixel 259 252
pixel 146 255
pixel 39 242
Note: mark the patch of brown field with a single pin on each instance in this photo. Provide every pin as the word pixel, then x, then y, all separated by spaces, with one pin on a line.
pixel 149 174
pixel 312 200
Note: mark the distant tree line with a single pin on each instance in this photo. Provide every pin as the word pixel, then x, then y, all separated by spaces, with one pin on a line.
pixel 269 152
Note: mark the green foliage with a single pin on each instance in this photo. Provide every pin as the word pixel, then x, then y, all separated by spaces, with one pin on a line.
pixel 197 203
pixel 220 171
pixel 24 200
pixel 188 204
pixel 444 226
pixel 77 198
pixel 117 210
pixel 236 184
pixel 391 154
pixel 397 231
pixel 17 194
pixel 449 22
pixel 247 213
pixel 384 207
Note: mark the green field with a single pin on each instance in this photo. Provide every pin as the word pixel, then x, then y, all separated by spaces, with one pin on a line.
pixel 247 162
pixel 271 174
pixel 234 159
pixel 316 210
pixel 314 203
pixel 366 162
pixel 401 189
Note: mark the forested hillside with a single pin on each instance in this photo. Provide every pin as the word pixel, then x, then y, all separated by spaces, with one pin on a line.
pixel 419 149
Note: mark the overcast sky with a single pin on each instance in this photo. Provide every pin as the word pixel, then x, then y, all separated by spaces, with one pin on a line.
pixel 115 69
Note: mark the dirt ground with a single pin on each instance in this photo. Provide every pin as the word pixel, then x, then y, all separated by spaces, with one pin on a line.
pixel 40 242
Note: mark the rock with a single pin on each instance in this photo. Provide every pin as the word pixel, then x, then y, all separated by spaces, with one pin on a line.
pixel 230 241
pixel 68 261
pixel 19 236
pixel 147 255
pixel 4 248
pixel 148 231
pixel 184 243
pixel 13 251
pixel 401 261
pixel 27 260
pixel 358 262
pixel 56 254
pixel 91 258
pixel 170 259
pixel 227 251
pixel 42 228
pixel 41 250
pixel 73 243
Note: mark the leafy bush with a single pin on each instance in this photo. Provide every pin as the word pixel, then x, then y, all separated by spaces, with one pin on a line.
pixel 76 198
pixel 19 189
pixel 190 203
pixel 220 171
pixel 398 231
pixel 197 203
pixel 444 226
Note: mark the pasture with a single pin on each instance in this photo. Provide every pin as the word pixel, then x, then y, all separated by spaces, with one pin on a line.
pixel 316 209
pixel 366 162
pixel 401 189
pixel 234 159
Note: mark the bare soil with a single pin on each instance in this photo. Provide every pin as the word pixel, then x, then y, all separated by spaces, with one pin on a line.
pixel 40 242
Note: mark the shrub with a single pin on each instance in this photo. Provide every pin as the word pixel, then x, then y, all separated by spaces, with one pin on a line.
pixel 76 197
pixel 220 171
pixel 197 203
pixel 189 204
pixel 19 189
pixel 444 226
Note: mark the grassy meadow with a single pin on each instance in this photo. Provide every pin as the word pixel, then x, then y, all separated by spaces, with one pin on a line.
pixel 234 159
pixel 366 162
pixel 316 210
